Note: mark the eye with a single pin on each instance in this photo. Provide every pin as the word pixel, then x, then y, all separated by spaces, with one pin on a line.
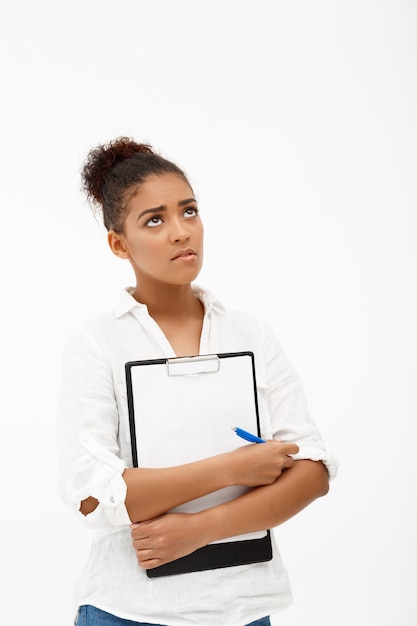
pixel 191 211
pixel 155 220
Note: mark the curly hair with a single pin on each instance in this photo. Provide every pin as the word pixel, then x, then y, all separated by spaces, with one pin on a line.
pixel 112 173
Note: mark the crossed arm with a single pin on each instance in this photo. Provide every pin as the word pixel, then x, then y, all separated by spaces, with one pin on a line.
pixel 172 535
pixel 281 487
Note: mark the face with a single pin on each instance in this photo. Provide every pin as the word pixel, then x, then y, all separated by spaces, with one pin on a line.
pixel 162 232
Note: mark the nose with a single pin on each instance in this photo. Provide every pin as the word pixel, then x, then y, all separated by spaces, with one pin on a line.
pixel 178 231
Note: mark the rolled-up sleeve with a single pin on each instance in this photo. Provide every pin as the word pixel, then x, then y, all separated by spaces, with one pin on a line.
pixel 88 422
pixel 290 416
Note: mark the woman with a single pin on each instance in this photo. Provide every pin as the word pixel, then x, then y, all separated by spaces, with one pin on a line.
pixel 150 212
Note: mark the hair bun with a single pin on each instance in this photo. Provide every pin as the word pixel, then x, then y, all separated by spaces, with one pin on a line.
pixel 125 147
pixel 101 159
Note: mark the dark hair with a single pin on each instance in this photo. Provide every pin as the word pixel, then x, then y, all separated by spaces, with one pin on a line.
pixel 112 173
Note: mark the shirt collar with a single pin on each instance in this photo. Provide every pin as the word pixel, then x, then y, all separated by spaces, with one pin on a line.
pixel 127 302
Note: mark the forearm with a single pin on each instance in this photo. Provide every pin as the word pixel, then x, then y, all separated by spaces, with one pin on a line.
pixel 169 537
pixel 266 506
pixel 151 492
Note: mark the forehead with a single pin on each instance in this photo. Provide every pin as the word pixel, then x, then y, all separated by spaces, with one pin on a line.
pixel 160 190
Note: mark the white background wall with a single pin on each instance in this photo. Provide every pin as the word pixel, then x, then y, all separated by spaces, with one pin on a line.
pixel 296 122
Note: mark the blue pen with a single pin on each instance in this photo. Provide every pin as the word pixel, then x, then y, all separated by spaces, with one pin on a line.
pixel 248 436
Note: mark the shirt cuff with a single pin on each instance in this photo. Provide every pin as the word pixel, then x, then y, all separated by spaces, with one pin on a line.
pixel 312 445
pixel 98 473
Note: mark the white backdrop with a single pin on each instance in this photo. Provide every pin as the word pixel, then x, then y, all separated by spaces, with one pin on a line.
pixel 296 122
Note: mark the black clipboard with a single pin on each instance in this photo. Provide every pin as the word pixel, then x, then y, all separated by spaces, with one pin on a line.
pixel 183 409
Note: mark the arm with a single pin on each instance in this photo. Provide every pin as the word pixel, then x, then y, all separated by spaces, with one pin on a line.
pixel 271 505
pixel 152 492
pixel 171 536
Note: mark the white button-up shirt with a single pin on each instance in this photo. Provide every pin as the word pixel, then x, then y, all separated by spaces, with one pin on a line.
pixel 95 449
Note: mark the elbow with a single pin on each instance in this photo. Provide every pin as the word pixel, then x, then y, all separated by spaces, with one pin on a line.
pixel 322 479
pixel 88 505
pixel 316 478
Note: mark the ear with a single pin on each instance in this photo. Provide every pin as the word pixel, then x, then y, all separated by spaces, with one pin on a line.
pixel 118 244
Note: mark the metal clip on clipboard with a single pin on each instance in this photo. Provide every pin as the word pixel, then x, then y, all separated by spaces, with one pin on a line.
pixel 178 415
pixel 191 365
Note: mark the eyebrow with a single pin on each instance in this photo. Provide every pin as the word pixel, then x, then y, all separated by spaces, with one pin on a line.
pixel 159 209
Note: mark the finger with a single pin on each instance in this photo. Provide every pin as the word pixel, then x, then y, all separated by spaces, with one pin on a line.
pixel 145 550
pixel 149 563
pixel 139 531
pixel 288 461
pixel 148 558
pixel 290 448
pixel 139 534
pixel 143 543
pixel 144 524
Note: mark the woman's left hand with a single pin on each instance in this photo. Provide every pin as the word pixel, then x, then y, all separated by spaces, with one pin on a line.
pixel 166 538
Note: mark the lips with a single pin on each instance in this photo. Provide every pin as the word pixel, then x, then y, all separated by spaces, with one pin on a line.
pixel 185 252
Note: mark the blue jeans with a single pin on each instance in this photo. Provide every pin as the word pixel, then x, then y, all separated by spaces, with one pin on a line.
pixel 90 616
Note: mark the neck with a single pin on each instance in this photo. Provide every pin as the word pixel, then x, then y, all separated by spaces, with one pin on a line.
pixel 168 301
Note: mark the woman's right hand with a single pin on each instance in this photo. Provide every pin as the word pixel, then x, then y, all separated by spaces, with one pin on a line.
pixel 257 464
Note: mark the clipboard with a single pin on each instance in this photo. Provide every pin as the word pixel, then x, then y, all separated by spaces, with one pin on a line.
pixel 182 410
